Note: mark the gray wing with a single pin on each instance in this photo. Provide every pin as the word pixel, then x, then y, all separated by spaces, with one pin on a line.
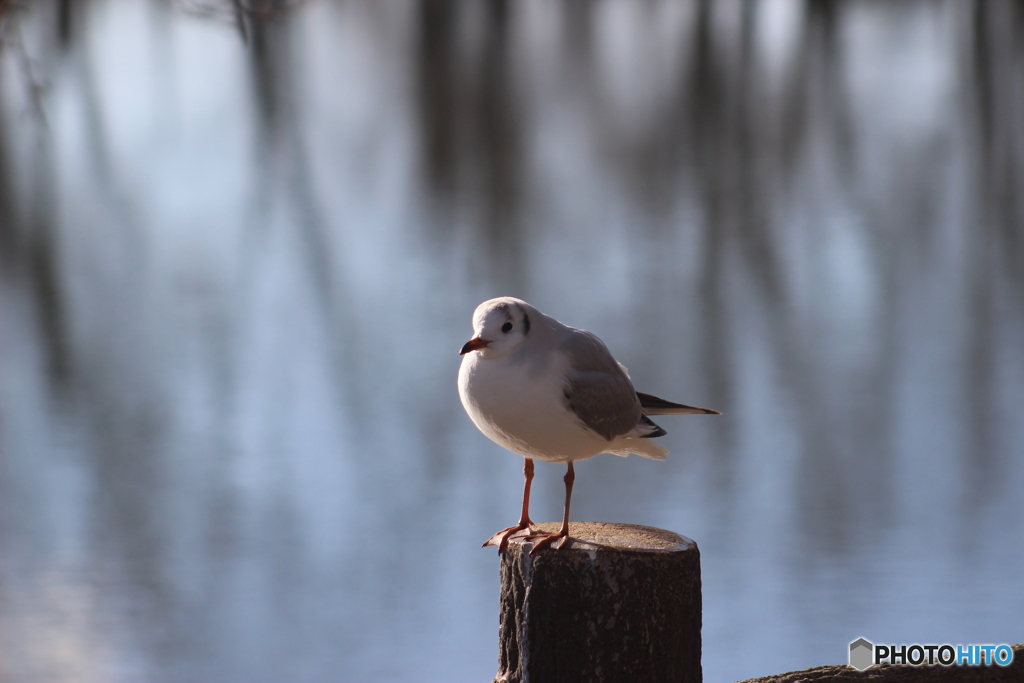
pixel 598 390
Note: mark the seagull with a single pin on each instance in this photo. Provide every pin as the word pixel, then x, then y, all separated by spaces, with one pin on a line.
pixel 547 391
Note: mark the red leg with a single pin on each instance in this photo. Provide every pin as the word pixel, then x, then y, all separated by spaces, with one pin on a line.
pixel 500 539
pixel 563 533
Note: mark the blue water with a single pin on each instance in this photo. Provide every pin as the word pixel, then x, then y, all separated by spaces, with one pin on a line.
pixel 236 274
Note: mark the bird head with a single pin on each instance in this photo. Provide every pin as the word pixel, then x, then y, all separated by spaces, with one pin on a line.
pixel 500 326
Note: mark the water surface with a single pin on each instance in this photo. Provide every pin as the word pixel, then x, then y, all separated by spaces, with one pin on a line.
pixel 239 254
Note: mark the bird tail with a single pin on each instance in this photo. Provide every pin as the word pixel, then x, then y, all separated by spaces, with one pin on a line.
pixel 649 449
pixel 652 405
pixel 641 446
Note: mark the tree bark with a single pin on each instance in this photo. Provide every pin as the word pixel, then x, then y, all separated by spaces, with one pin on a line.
pixel 619 602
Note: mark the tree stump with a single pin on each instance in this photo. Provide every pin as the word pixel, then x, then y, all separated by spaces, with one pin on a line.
pixel 619 602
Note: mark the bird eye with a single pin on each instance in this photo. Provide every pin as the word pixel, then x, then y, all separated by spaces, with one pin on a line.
pixel 507 327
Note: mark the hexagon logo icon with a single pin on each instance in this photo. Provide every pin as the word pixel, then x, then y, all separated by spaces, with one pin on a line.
pixel 860 654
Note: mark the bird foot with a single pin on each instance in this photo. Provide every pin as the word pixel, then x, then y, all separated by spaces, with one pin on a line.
pixel 501 538
pixel 544 540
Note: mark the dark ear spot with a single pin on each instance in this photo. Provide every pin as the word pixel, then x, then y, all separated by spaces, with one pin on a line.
pixel 526 319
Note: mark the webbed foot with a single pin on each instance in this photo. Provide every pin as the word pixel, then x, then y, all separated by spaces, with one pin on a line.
pixel 501 538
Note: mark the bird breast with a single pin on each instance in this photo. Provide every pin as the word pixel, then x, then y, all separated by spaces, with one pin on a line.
pixel 522 407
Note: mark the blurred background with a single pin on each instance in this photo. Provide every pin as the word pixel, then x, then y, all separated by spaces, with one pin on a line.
pixel 240 245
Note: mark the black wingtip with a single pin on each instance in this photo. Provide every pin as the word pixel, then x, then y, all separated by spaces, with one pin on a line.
pixel 663 407
pixel 658 431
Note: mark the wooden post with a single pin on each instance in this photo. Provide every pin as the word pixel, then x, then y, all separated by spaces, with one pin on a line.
pixel 621 603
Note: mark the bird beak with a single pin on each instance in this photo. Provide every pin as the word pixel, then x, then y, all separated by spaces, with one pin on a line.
pixel 474 344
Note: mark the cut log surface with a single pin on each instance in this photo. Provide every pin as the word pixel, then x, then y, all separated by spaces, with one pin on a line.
pixel 619 602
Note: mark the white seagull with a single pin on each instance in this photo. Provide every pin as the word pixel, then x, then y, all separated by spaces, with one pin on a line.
pixel 552 392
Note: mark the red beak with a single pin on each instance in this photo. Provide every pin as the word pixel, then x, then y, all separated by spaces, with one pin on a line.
pixel 473 344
